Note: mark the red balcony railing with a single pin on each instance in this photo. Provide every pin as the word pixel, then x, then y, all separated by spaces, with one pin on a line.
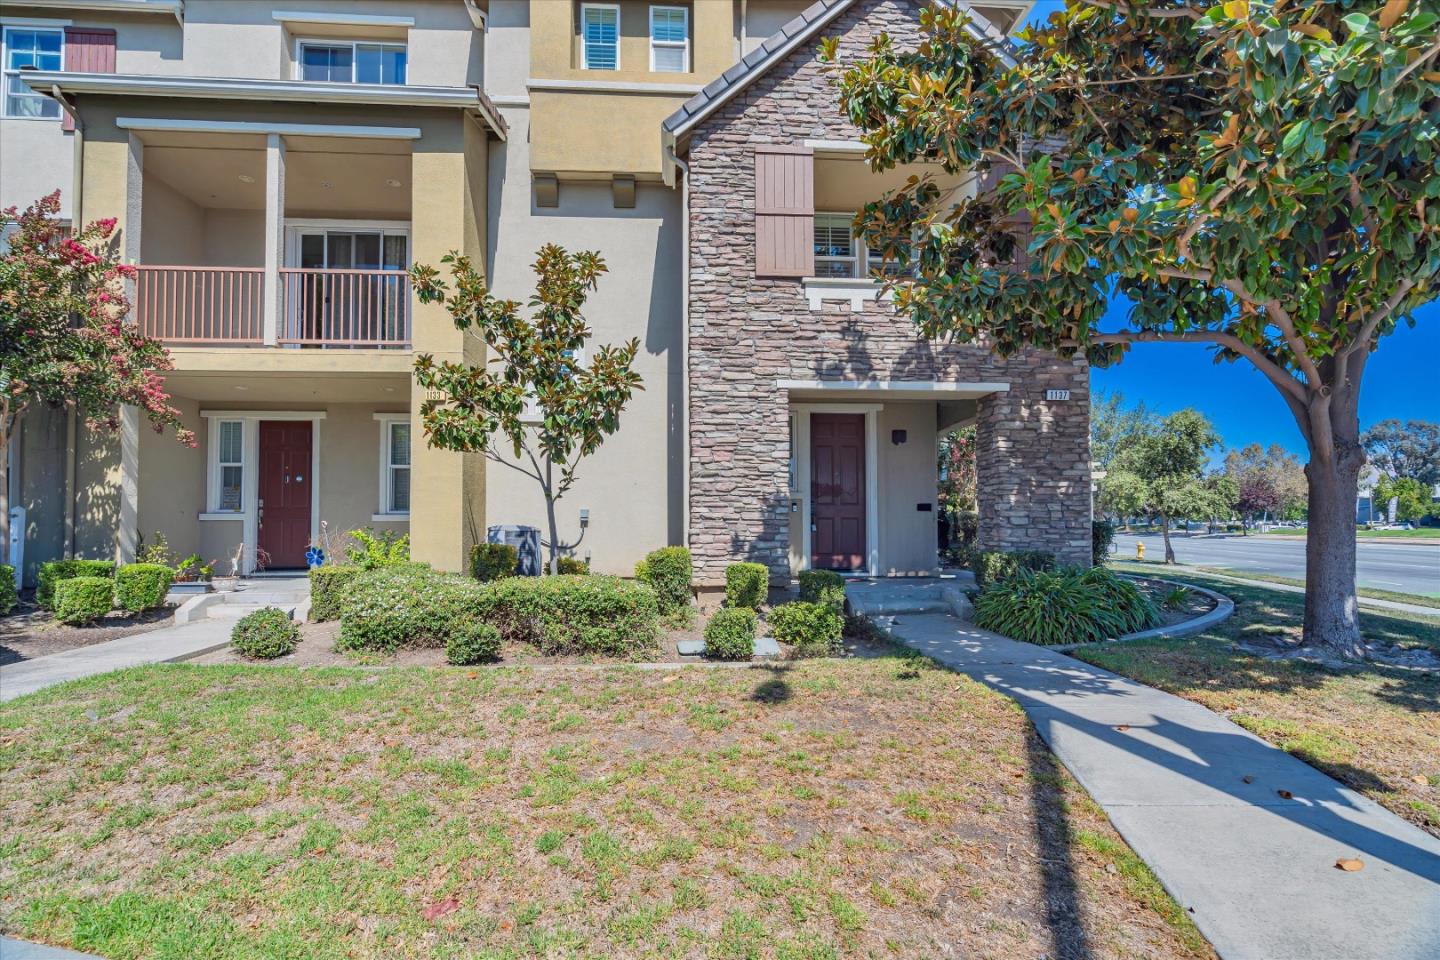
pixel 225 306
pixel 195 305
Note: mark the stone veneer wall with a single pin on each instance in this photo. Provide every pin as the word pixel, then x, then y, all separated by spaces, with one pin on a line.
pixel 746 334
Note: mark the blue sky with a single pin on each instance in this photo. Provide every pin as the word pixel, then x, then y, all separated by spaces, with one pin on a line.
pixel 1400 379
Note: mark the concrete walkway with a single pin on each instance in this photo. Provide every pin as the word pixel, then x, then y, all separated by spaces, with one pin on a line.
pixel 1197 797
pixel 165 645
pixel 25 950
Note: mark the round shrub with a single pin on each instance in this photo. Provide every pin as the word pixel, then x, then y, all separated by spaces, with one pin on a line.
pixel 403 606
pixel 570 567
pixel 746 584
pixel 142 586
pixel 813 629
pixel 668 572
pixel 9 596
pixel 730 634
pixel 823 586
pixel 472 642
pixel 1064 606
pixel 493 561
pixel 327 585
pixel 83 599
pixel 265 634
pixel 53 571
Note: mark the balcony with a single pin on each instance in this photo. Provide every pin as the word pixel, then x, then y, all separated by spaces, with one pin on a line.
pixel 226 306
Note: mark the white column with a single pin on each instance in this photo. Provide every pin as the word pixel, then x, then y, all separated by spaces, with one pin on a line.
pixel 134 200
pixel 127 535
pixel 274 233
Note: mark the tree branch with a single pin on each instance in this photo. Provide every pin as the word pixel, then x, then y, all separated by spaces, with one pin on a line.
pixel 1292 389
pixel 1372 323
pixel 1416 64
pixel 513 466
pixel 1166 14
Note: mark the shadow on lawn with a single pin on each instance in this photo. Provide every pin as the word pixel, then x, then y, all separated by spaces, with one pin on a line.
pixel 1064 912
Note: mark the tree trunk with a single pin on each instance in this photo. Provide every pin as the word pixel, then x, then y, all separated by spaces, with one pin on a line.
pixel 1165 533
pixel 554 564
pixel 1332 614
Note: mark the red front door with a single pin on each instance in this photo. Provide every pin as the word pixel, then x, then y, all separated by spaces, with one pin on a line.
pixel 285 491
pixel 837 491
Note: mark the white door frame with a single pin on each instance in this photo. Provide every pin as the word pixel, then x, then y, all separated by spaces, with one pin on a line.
pixel 802 412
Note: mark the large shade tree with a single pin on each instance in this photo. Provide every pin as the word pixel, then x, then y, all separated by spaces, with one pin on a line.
pixel 1258 176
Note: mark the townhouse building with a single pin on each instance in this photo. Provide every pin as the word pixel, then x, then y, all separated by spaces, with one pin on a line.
pixel 276 165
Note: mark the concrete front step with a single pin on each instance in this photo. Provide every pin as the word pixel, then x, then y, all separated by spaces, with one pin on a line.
pixel 234 611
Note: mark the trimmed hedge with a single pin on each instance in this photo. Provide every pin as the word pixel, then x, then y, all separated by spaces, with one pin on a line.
pixel 585 615
pixel 813 629
pixel 142 586
pixel 1102 535
pixel 9 596
pixel 746 584
pixel 1065 606
pixel 668 572
pixel 570 567
pixel 53 571
pixel 80 600
pixel 493 561
pixel 265 634
pixel 394 607
pixel 995 566
pixel 730 634
pixel 823 586
pixel 327 586
pixel 472 643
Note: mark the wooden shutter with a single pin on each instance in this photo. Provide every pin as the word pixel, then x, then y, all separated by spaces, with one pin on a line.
pixel 88 50
pixel 784 211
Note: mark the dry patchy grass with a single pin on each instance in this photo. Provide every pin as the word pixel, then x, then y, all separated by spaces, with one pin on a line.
pixel 875 808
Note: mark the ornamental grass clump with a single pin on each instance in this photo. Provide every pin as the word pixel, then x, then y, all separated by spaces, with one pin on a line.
pixel 730 634
pixel 1064 606
pixel 265 634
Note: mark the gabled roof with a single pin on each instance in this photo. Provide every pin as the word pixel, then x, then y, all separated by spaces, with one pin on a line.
pixel 775 48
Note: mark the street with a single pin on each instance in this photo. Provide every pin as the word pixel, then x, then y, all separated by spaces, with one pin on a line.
pixel 1384 566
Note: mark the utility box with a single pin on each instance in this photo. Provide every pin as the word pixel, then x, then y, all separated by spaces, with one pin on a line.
pixel 525 540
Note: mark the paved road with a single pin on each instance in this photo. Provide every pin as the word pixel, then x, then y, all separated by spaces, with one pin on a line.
pixel 1413 568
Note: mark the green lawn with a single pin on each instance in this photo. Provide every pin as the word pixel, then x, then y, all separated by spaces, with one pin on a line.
pixel 1372 727
pixel 1419 533
pixel 865 808
pixel 1418 599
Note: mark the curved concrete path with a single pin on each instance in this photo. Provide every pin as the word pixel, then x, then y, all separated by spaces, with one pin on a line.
pixel 1197 797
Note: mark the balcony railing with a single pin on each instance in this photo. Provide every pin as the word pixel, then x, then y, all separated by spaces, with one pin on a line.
pixel 225 306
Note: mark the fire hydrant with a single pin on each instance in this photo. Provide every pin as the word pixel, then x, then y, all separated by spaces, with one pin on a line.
pixel 1140 552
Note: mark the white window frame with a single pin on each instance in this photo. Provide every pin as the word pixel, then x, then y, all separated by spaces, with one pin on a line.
pixel 6 72
pixel 670 44
pixel 302 42
pixel 585 44
pixel 387 422
pixel 857 247
pixel 217 467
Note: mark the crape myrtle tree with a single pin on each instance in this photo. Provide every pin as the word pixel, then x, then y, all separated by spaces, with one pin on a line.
pixel 1258 176
pixel 536 405
pixel 65 342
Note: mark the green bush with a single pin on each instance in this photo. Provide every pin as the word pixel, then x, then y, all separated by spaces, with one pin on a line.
pixel 80 600
pixel 142 586
pixel 493 561
pixel 995 566
pixel 730 634
pixel 53 571
pixel 570 567
pixel 404 606
pixel 746 584
pixel 375 550
pixel 668 572
pixel 1102 536
pixel 823 586
pixel 472 642
pixel 1064 606
pixel 265 634
pixel 813 629
pixel 327 585
pixel 585 615
pixel 9 596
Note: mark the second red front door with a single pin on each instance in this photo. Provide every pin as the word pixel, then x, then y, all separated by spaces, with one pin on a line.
pixel 284 489
pixel 837 491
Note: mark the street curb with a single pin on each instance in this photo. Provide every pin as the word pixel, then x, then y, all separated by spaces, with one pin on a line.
pixel 1224 607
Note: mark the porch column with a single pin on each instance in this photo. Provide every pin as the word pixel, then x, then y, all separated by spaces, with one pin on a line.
pixel 134 200
pixel 274 233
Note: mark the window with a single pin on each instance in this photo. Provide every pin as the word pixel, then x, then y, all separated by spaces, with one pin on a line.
pixel 229 466
pixel 600 36
pixel 346 62
pixel 670 39
pixel 395 465
pixel 836 252
pixel 31 47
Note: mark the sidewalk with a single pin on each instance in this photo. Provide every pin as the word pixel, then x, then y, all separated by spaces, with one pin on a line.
pixel 1197 797
pixel 25 950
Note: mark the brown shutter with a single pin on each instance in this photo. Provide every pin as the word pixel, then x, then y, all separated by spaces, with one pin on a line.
pixel 88 50
pixel 784 211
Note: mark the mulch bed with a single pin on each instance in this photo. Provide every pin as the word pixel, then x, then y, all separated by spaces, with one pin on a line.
pixel 31 632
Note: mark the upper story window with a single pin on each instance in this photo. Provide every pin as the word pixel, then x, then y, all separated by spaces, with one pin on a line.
pixel 670 39
pixel 600 36
pixel 342 61
pixel 35 47
pixel 836 252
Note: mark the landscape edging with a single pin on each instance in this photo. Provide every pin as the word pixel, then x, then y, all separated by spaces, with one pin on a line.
pixel 1224 607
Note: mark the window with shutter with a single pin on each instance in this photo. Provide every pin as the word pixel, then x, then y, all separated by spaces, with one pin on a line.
pixel 784 211
pixel 88 50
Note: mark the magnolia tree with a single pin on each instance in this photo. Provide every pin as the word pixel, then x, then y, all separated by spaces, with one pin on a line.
pixel 1258 176
pixel 537 405
pixel 64 339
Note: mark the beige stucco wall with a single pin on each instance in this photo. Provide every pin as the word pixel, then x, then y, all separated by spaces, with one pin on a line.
pixel 765 17
pixel 507 48
pixel 632 486
pixel 36 158
pixel 178 226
